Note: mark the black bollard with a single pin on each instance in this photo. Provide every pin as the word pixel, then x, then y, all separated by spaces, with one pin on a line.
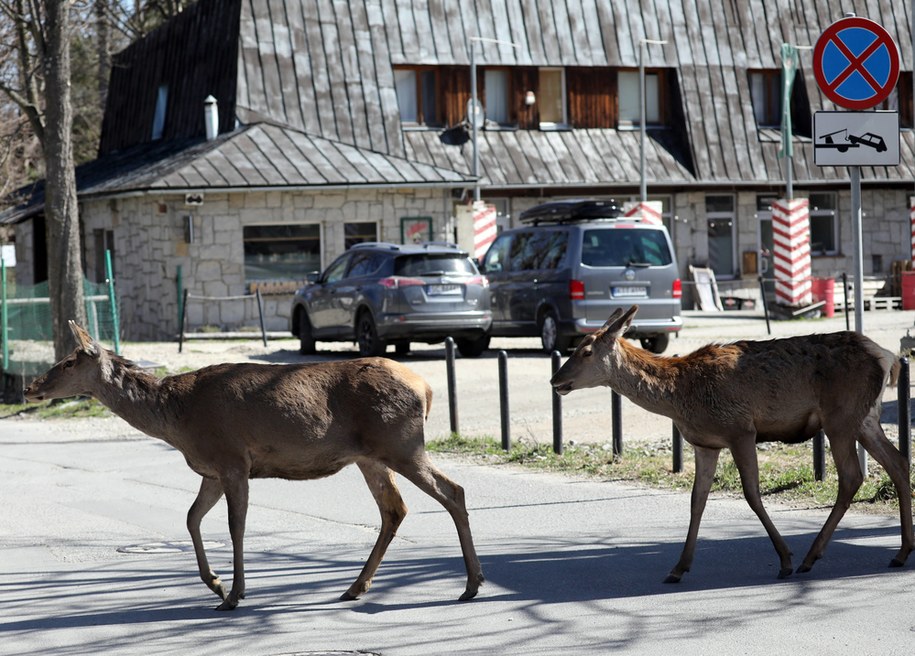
pixel 677 449
pixel 819 456
pixel 452 384
pixel 616 418
pixel 905 413
pixel 503 400
pixel 557 407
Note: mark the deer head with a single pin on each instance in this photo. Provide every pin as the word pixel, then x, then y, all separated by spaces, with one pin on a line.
pixel 72 376
pixel 591 362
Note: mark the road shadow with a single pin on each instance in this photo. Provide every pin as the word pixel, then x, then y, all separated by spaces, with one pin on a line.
pixel 529 571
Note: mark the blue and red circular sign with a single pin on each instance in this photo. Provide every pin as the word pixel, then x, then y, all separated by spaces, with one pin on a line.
pixel 856 63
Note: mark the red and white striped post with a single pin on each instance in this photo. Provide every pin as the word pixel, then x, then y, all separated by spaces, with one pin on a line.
pixel 912 226
pixel 649 211
pixel 484 227
pixel 791 251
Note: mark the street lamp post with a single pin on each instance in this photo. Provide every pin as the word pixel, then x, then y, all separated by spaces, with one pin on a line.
pixel 472 115
pixel 643 188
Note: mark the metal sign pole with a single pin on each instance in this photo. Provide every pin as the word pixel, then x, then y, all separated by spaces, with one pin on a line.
pixel 858 265
pixel 857 246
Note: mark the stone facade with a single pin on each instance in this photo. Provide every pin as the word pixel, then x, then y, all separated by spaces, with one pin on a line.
pixel 150 249
pixel 150 246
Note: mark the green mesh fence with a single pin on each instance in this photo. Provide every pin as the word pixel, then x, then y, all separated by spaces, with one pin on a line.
pixel 28 348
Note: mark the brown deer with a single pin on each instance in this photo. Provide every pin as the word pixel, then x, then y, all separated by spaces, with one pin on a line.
pixel 233 422
pixel 732 396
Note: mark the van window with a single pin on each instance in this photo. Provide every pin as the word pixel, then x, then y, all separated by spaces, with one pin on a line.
pixel 538 249
pixel 497 257
pixel 624 247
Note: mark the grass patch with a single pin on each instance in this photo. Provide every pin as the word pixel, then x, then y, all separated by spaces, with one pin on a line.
pixel 75 408
pixel 785 470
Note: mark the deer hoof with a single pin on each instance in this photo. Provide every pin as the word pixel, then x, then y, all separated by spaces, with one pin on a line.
pixel 228 604
pixel 673 578
pixel 785 572
pixel 897 562
pixel 468 594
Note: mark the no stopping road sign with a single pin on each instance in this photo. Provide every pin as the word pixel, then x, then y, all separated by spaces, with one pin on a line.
pixel 856 63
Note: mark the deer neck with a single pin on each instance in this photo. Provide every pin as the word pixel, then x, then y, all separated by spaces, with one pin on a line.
pixel 646 379
pixel 133 395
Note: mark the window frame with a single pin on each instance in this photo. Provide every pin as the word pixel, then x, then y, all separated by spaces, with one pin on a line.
pixel 817 212
pixel 767 110
pixel 506 76
pixel 352 236
pixel 312 254
pixel 634 123
pixel 420 96
pixel 722 215
pixel 563 124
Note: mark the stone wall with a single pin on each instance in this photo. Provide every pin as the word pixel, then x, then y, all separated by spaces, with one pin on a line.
pixel 150 248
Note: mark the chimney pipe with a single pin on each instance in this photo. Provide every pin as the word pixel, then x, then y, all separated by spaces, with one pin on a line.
pixel 211 117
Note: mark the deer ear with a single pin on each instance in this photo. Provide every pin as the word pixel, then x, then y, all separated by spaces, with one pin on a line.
pixel 619 321
pixel 84 340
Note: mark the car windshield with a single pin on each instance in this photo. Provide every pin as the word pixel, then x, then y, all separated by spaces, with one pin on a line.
pixel 625 247
pixel 426 264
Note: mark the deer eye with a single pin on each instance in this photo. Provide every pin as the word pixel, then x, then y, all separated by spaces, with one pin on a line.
pixel 586 353
pixel 68 364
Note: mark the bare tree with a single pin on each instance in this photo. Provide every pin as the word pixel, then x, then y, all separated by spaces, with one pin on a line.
pixel 35 74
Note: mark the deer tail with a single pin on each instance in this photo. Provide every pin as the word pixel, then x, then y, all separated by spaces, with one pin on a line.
pixel 428 401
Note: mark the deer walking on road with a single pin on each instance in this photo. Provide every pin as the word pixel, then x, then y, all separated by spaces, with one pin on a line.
pixel 732 396
pixel 233 422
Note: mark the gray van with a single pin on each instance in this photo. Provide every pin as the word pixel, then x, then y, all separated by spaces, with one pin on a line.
pixel 572 264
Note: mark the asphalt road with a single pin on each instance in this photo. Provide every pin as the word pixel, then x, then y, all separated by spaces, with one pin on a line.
pixel 96 560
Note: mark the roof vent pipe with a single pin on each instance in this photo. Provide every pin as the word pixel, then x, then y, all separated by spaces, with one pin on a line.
pixel 211 117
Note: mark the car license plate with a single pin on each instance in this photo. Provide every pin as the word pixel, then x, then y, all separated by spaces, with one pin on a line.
pixel 443 290
pixel 629 292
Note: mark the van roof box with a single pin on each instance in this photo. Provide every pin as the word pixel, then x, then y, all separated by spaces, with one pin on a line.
pixel 566 211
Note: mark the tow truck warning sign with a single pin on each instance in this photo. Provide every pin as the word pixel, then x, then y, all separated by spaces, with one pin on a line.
pixel 856 138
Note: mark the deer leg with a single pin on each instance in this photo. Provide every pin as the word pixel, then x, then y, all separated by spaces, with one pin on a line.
pixel 236 489
pixel 380 480
pixel 850 479
pixel 744 452
pixel 430 480
pixel 883 451
pixel 706 462
pixel 210 492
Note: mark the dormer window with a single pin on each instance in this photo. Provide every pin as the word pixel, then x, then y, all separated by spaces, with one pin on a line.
pixel 417 92
pixel 551 98
pixel 496 83
pixel 766 94
pixel 158 126
pixel 630 113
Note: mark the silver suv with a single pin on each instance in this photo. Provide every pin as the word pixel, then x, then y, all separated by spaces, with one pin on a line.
pixel 575 262
pixel 378 294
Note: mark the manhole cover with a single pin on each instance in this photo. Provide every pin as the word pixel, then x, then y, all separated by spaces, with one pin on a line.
pixel 167 547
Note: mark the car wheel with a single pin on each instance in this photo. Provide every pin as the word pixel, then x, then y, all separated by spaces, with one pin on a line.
pixel 656 344
pixel 550 338
pixel 367 337
pixel 307 345
pixel 472 348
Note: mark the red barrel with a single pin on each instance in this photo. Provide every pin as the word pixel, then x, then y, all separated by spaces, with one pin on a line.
pixel 908 290
pixel 824 289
